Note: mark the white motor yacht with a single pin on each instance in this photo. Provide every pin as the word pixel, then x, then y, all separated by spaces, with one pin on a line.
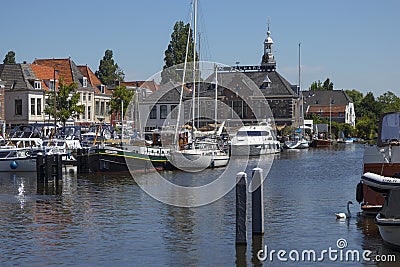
pixel 255 140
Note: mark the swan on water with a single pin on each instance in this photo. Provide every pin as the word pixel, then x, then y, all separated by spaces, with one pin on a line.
pixel 343 215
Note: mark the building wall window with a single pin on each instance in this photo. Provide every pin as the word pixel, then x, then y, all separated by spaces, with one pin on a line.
pixel 84 82
pixel 163 111
pixel 38 85
pixel 102 108
pixel 174 111
pixel 89 112
pixel 102 88
pixel 84 97
pixel 33 105
pixel 240 108
pixel 153 113
pixel 18 106
pixel 84 112
pixel 107 107
pixel 38 106
pixel 97 108
pixel 89 97
pixel 51 84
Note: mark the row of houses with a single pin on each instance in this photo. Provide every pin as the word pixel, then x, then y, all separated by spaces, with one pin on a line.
pixel 23 97
pixel 24 86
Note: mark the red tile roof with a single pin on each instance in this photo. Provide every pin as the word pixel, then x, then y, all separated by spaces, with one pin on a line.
pixel 62 65
pixel 93 80
pixel 326 109
pixel 44 73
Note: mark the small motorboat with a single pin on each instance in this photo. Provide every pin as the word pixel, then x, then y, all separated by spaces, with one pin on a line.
pixel 388 218
pixel 17 160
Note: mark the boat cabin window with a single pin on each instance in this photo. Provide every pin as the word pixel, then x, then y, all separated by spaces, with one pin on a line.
pixel 252 133
pixel 390 130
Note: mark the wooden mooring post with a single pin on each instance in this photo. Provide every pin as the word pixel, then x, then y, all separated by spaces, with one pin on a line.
pixel 48 168
pixel 83 160
pixel 257 205
pixel 257 202
pixel 241 207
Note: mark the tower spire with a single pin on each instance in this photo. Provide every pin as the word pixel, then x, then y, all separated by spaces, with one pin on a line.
pixel 268 58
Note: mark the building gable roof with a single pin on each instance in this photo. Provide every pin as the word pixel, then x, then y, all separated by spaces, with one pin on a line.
pixel 65 67
pixel 326 98
pixel 17 76
pixel 93 80
pixel 278 85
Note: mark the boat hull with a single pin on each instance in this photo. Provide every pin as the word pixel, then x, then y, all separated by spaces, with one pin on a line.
pixel 389 230
pixel 321 143
pixel 296 145
pixel 197 160
pixel 18 165
pixel 254 150
pixel 106 160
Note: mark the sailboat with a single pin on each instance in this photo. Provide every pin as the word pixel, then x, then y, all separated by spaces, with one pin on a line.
pixel 297 140
pixel 205 154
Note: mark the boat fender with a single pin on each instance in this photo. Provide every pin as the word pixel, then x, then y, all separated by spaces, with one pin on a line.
pixel 13 165
pixel 360 192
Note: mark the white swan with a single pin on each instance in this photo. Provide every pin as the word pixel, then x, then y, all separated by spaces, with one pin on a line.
pixel 343 215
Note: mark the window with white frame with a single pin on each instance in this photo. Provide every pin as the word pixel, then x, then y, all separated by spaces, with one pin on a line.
pixel 89 97
pixel 38 106
pixel 33 105
pixel 37 85
pixel 84 82
pixel 102 108
pixel 89 112
pixel 84 97
pixel 97 108
pixel 102 88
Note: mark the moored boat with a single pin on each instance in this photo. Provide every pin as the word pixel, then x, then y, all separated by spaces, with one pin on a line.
pixel 17 160
pixel 381 159
pixel 255 140
pixel 132 159
pixel 388 218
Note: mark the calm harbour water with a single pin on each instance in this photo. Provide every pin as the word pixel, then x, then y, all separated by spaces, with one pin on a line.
pixel 107 220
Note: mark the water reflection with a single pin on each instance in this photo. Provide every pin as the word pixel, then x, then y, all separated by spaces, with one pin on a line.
pixel 105 220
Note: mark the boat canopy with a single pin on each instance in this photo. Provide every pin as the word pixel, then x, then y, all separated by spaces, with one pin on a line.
pixel 390 128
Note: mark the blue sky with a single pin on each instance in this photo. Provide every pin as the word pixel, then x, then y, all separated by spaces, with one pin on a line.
pixel 354 43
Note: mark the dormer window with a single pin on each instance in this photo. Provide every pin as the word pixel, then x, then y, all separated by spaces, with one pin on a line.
pixel 102 88
pixel 37 85
pixel 51 84
pixel 84 82
pixel 266 83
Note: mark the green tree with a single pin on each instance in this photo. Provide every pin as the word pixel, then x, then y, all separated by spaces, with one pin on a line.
pixel 328 85
pixel 120 94
pixel 66 102
pixel 389 102
pixel 9 58
pixel 366 128
pixel 176 52
pixel 108 71
pixel 370 107
pixel 319 86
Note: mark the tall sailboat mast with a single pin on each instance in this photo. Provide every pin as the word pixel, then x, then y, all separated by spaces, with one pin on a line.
pixel 215 100
pixel 194 68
